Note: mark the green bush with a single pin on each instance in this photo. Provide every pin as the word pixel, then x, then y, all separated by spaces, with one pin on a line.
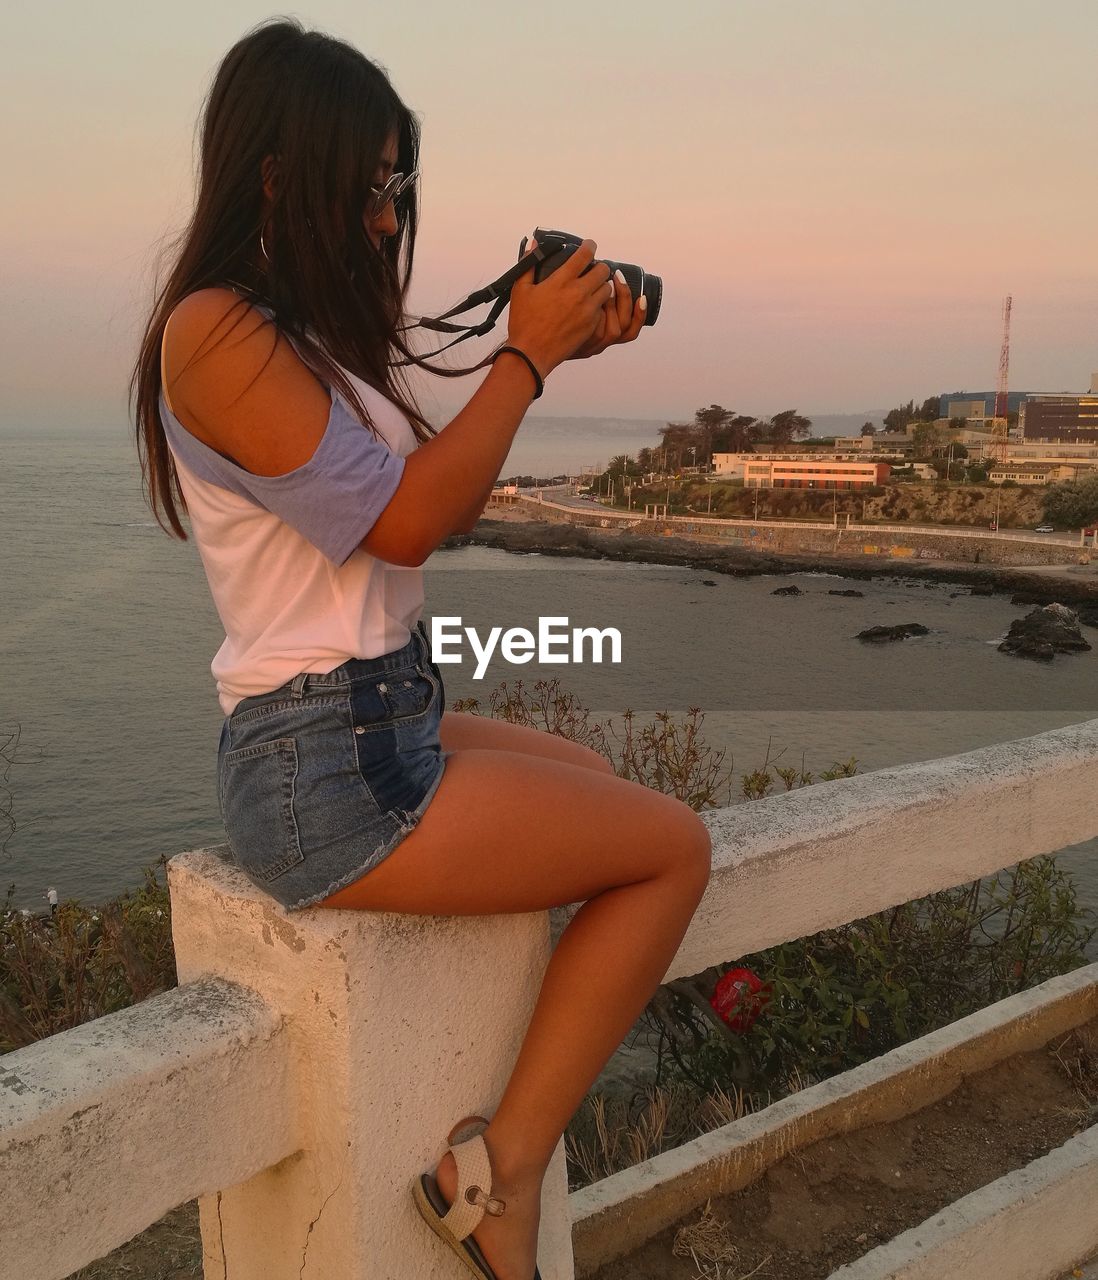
pixel 849 994
pixel 61 970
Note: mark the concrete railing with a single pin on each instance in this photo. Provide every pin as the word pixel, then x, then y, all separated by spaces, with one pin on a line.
pixel 719 522
pixel 309 1065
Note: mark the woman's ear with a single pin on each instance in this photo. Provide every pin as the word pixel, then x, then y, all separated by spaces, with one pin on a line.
pixel 269 174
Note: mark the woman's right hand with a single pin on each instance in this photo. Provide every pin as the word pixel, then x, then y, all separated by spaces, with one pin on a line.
pixel 551 320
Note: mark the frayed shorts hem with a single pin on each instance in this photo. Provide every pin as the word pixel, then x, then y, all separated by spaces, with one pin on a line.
pixel 413 816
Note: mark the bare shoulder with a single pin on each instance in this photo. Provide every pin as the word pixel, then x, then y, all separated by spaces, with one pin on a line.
pixel 238 386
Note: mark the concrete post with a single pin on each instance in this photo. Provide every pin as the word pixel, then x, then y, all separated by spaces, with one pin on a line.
pixel 398 1026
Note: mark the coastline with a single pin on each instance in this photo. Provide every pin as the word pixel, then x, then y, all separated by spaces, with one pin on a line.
pixel 1068 584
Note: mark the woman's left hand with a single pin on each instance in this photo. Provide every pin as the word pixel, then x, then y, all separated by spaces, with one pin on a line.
pixel 621 321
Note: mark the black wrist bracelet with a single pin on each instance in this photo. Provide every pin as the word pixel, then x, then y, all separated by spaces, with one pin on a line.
pixel 529 364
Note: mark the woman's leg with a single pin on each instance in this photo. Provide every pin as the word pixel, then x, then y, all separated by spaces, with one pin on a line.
pixel 510 832
pixel 461 730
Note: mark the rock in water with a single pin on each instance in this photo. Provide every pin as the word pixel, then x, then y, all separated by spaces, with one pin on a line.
pixel 1044 632
pixel 858 594
pixel 1088 615
pixel 877 635
pixel 786 591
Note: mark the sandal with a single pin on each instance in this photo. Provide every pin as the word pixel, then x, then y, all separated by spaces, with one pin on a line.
pixel 454 1224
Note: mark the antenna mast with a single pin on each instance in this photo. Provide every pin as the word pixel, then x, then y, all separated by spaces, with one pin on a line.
pixel 1002 400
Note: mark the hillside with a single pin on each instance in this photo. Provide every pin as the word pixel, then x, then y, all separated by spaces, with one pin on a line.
pixel 971 505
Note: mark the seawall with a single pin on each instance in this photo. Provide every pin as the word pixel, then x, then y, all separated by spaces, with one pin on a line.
pixel 1003 565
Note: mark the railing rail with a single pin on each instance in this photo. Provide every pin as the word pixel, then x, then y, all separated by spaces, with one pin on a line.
pixel 951 531
pixel 106 1127
pixel 318 1058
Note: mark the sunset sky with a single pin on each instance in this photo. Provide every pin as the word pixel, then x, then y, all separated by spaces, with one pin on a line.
pixel 837 194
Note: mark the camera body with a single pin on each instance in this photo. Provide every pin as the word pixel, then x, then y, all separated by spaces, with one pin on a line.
pixel 556 247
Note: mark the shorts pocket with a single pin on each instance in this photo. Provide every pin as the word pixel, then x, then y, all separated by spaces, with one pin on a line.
pixel 409 694
pixel 395 723
pixel 257 805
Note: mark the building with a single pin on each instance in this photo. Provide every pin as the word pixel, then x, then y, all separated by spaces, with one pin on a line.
pixel 1063 418
pixel 977 404
pixel 894 444
pixel 793 471
pixel 1084 456
pixel 1031 473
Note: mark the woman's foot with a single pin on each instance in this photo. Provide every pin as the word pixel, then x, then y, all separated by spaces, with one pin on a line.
pixel 509 1242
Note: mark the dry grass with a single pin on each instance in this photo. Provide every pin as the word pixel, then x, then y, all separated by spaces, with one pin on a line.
pixel 1077 1057
pixel 611 1134
pixel 708 1244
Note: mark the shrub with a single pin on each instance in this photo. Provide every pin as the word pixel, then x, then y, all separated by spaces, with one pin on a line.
pixel 849 994
pixel 59 971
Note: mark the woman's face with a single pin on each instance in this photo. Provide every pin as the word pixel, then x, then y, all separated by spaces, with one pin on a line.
pixel 385 224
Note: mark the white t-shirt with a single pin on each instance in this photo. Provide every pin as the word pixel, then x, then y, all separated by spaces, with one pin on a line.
pixel 292 588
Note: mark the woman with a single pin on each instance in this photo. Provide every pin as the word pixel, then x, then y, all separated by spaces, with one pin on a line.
pixel 271 409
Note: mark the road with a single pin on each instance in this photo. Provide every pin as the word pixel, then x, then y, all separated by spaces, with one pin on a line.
pixel 1063 538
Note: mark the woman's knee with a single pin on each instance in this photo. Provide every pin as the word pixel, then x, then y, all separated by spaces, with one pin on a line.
pixel 699 855
pixel 687 849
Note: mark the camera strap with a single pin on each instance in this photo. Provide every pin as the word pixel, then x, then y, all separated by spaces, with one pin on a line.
pixel 498 293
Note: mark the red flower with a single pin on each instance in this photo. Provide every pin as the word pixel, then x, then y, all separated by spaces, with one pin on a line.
pixel 739 997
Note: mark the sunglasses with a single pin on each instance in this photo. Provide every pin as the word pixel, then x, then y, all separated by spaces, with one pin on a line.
pixel 396 186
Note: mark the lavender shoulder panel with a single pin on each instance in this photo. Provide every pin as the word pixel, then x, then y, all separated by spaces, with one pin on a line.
pixel 332 500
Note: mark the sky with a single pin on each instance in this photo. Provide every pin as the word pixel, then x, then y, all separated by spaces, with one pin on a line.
pixel 837 195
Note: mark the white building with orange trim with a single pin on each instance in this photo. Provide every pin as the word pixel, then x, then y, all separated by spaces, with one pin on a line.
pixel 799 471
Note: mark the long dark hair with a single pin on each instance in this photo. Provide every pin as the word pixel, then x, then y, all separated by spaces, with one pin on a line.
pixel 326 112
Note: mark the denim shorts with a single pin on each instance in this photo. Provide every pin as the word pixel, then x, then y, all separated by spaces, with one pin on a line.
pixel 321 779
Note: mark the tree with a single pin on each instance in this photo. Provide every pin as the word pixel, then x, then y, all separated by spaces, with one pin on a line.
pixel 1072 504
pixel 926 438
pixel 738 435
pixel 900 418
pixel 787 426
pixel 710 421
pixel 897 420
pixel 676 438
pixel 868 429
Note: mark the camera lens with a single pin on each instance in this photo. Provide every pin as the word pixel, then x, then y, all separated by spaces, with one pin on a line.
pixel 640 282
pixel 653 291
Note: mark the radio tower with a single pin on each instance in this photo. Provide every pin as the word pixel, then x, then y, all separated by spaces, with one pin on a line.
pixel 999 421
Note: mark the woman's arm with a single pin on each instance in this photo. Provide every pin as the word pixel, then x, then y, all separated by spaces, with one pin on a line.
pixel 620 321
pixel 267 412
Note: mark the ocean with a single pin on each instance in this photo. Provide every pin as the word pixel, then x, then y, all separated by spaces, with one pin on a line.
pixel 107 632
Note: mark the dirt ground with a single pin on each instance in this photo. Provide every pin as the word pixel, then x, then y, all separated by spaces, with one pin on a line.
pixel 834 1201
pixel 170 1249
pixel 820 1208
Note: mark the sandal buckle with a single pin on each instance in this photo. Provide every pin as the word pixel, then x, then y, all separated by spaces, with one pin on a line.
pixel 490 1204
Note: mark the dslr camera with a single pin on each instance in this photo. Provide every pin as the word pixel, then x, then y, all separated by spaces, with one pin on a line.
pixel 556 247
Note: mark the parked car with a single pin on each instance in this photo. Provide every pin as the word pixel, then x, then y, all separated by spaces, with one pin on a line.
pixel 1044 528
